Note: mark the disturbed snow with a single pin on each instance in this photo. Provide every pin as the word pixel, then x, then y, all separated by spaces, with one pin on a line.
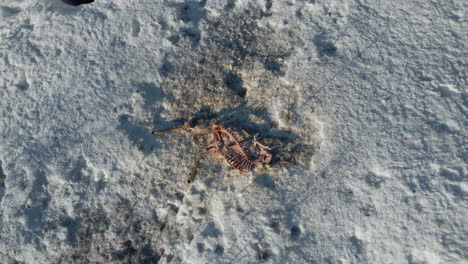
pixel 374 93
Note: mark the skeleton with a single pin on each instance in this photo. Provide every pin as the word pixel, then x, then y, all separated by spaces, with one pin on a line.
pixel 241 150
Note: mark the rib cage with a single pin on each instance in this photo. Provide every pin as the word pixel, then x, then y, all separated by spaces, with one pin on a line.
pixel 239 152
pixel 239 158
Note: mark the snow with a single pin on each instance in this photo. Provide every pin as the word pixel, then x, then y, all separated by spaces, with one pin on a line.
pixel 375 92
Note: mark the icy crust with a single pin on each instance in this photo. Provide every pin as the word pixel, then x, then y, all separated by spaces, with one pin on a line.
pixel 373 92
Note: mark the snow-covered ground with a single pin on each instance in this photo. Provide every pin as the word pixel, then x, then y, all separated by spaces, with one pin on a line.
pixel 375 93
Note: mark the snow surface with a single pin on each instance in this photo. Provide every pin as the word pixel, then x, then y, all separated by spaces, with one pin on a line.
pixel 375 91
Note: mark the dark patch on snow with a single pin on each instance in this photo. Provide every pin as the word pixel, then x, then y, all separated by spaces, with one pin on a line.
pixel 76 174
pixel 286 147
pixel 295 232
pixel 135 28
pixel 210 68
pixel 209 182
pixel 77 2
pixel 324 45
pixel 265 181
pixel 173 209
pixel 263 253
pixel 455 242
pixel 139 133
pixel 231 4
pixel 35 209
pixel 358 249
pixel 2 173
pixel 211 231
pixel 2 181
pixel 202 211
pixel 346 195
pixel 191 11
pixel 234 82
pixel 72 226
pixel 456 190
pixel 200 247
pixel 193 34
pixel 40 199
pixel 179 196
pixel 126 251
pixel 150 93
pixel 269 4
pixel 275 224
pixel 368 210
pixel 6 11
pixel 166 67
pixel 23 85
pixel 267 12
pixel 219 250
pixel 452 174
pixel 149 255
pixel 465 99
pixel 211 73
pixel 174 39
pixel 273 65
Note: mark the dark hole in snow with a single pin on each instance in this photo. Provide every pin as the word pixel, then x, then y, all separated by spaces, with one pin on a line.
pixel 77 2
pixel 295 232
pixel 23 85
